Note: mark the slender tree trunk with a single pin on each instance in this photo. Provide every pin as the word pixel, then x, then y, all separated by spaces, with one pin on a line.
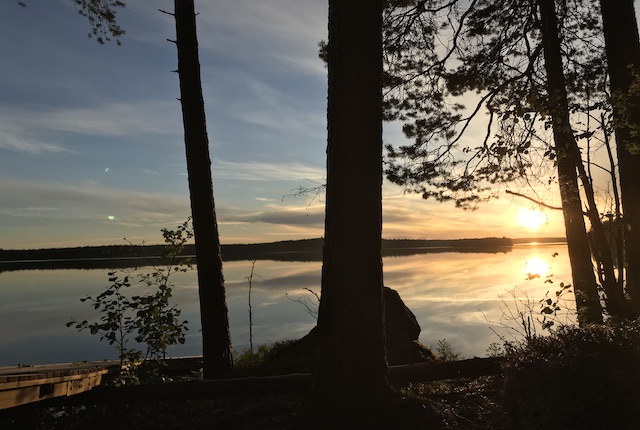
pixel 623 58
pixel 616 232
pixel 216 341
pixel 350 379
pixel 584 282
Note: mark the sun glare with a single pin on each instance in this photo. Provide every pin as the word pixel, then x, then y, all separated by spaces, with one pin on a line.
pixel 536 267
pixel 532 219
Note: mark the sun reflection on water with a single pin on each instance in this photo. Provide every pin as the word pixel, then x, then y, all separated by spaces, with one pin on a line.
pixel 454 296
pixel 536 268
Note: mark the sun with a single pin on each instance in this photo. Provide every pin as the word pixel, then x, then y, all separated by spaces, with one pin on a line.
pixel 532 219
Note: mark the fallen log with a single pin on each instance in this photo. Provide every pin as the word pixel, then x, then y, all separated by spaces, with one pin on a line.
pixel 438 370
pixel 274 385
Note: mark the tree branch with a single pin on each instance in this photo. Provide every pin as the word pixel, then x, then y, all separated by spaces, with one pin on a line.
pixel 531 199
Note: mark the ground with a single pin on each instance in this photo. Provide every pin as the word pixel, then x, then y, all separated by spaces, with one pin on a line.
pixel 473 404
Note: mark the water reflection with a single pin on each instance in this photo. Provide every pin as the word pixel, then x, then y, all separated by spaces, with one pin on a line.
pixel 536 268
pixel 454 296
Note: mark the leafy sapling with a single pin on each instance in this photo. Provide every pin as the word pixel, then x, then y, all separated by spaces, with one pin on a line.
pixel 149 319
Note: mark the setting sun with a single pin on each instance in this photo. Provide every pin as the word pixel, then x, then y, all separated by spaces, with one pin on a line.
pixel 532 218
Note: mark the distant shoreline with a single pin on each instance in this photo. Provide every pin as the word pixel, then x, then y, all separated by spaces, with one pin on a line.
pixel 120 256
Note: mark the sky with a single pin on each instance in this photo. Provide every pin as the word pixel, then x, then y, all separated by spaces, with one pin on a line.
pixel 91 138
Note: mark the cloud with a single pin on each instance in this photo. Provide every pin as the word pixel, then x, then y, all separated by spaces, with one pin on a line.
pixel 263 101
pixel 267 29
pixel 89 201
pixel 259 171
pixel 18 141
pixel 117 119
pixel 289 216
pixel 112 119
pixel 25 129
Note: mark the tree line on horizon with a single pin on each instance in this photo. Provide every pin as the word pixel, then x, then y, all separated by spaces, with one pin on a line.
pixel 556 79
pixel 129 256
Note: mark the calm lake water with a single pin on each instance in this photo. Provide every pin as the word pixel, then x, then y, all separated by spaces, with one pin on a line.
pixel 460 297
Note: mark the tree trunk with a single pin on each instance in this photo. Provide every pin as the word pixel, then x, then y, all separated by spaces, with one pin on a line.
pixel 584 282
pixel 623 58
pixel 216 341
pixel 350 380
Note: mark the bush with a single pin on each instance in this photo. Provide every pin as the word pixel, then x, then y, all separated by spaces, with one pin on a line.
pixel 576 378
pixel 149 319
pixel 250 362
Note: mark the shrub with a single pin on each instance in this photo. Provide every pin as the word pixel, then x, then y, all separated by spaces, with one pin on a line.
pixel 575 378
pixel 250 362
pixel 149 319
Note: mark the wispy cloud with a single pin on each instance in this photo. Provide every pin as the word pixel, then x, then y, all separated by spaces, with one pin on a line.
pixel 257 171
pixel 260 30
pixel 88 201
pixel 282 215
pixel 20 142
pixel 23 129
pixel 258 101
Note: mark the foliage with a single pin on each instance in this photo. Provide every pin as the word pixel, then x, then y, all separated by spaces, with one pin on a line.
pixel 522 317
pixel 449 61
pixel 102 18
pixel 575 378
pixel 495 349
pixel 425 88
pixel 248 361
pixel 115 325
pixel 445 352
pixel 101 15
pixel 149 319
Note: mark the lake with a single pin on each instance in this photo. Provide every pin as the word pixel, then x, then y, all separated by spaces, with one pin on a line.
pixel 460 297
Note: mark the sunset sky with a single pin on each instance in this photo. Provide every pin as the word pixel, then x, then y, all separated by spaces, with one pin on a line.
pixel 91 139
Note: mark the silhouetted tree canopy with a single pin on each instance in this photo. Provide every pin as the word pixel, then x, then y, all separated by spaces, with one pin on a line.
pixel 102 18
pixel 489 53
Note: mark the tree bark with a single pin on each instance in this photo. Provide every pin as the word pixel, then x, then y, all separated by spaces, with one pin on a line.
pixel 350 379
pixel 584 282
pixel 216 341
pixel 623 57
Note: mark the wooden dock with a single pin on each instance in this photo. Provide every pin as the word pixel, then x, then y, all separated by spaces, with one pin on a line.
pixel 20 385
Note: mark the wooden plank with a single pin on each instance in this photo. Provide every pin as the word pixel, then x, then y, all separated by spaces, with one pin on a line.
pixel 41 379
pixel 37 383
pixel 34 393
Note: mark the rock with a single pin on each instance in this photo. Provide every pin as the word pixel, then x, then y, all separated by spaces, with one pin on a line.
pixel 402 332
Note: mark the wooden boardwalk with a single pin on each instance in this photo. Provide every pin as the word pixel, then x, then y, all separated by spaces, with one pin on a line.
pixel 20 385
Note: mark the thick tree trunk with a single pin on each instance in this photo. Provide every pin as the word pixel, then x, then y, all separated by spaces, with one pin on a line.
pixel 623 57
pixel 350 380
pixel 216 341
pixel 584 282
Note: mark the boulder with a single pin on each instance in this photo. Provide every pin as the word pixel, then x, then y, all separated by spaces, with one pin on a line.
pixel 402 332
